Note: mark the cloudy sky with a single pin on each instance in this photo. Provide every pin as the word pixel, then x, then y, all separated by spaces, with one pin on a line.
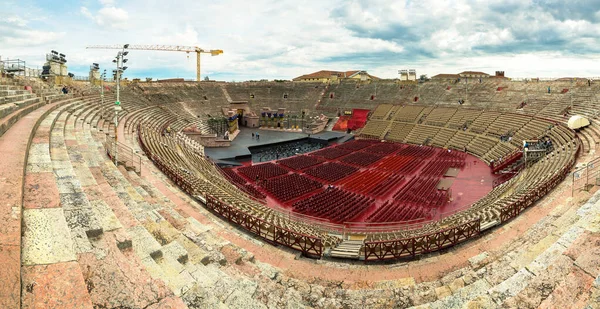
pixel 280 39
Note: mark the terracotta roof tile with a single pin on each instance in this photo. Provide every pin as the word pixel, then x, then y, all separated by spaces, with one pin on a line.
pixel 446 76
pixel 472 73
pixel 328 74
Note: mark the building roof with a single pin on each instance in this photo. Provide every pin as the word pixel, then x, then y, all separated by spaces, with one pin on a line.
pixel 472 73
pixel 566 79
pixel 328 74
pixel 446 76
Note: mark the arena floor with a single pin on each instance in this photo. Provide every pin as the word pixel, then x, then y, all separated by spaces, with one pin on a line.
pixel 471 182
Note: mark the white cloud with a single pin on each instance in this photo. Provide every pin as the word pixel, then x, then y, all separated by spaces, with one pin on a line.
pixel 108 16
pixel 284 39
pixel 86 13
pixel 15 21
pixel 113 17
pixel 29 38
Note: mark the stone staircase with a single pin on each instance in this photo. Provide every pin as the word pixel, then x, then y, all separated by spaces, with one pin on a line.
pixel 226 94
pixel 16 101
pixel 131 247
pixel 95 235
pixel 49 247
pixel 348 249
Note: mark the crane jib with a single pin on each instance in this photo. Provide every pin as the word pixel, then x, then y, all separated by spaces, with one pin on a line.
pixel 186 49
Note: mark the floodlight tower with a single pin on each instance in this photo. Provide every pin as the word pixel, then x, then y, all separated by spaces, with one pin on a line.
pixel 102 78
pixel 119 60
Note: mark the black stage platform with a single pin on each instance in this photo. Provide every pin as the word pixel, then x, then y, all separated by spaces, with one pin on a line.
pixel 239 149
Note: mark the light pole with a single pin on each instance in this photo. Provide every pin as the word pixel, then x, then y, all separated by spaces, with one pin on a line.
pixel 102 77
pixel 119 60
pixel 571 95
pixel 466 88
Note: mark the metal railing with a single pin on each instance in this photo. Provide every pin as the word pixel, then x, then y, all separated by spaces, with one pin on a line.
pixel 126 155
pixel 586 175
pixel 17 67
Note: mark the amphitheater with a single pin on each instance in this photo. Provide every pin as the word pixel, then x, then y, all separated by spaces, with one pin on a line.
pixel 177 231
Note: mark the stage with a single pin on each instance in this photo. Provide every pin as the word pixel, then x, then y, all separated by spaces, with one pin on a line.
pixel 240 148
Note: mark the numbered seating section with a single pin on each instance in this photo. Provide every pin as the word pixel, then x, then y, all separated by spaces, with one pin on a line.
pixel 334 204
pixel 263 171
pixel 290 186
pixel 331 171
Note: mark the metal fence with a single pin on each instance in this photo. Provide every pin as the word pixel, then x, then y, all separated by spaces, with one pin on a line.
pixel 17 67
pixel 125 155
pixel 586 175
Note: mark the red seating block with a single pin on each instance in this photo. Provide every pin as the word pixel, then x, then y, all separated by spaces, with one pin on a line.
pixel 288 187
pixel 233 176
pixel 362 158
pixel 383 148
pixel 334 204
pixel 301 162
pixel 331 172
pixel 331 153
pixel 357 144
pixel 263 171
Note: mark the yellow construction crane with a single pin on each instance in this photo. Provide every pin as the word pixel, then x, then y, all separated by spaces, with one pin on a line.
pixel 187 49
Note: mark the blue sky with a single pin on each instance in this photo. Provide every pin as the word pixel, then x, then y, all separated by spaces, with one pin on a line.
pixel 265 39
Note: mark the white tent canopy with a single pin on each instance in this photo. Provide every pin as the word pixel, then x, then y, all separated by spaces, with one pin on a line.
pixel 577 122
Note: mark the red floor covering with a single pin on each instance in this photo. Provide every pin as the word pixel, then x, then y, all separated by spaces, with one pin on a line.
pixel 472 183
pixel 359 118
pixel 341 124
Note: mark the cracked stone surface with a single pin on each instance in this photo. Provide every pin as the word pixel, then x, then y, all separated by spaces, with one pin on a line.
pixel 40 191
pixel 117 279
pixel 47 238
pixel 181 256
pixel 59 285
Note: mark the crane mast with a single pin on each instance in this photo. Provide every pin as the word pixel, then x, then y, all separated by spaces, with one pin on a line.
pixel 178 48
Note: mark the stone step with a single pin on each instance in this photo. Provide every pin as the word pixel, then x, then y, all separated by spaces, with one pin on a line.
pixel 51 276
pixel 96 212
pixel 9 87
pixel 6 93
pixel 167 263
pixel 16 98
pixel 81 218
pixel 348 248
pixel 546 264
pixel 10 113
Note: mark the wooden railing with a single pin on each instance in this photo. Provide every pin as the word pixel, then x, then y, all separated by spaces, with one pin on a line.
pixel 422 244
pixel 308 245
pixel 373 250
pixel 508 160
pixel 512 210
